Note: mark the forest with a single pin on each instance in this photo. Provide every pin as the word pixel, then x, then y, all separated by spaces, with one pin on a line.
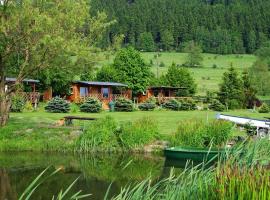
pixel 218 26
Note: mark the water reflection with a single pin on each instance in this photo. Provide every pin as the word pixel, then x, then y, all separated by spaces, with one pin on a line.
pixel 96 172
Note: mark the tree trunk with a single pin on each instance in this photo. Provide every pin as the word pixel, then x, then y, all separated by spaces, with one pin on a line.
pixel 5 100
pixel 5 104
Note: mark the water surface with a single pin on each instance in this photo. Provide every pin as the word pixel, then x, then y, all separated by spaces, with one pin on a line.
pixel 96 172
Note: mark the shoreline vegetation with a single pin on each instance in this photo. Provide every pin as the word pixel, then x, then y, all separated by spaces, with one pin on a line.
pixel 139 131
pixel 241 173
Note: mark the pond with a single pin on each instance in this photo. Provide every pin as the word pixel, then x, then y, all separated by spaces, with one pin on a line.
pixel 95 172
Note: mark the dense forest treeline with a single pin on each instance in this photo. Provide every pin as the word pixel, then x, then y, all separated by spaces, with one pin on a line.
pixel 219 26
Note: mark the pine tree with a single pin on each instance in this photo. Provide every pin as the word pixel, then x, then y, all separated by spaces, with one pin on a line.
pixel 231 90
pixel 146 42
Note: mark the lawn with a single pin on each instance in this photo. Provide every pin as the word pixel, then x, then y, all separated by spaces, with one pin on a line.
pixel 206 77
pixel 39 130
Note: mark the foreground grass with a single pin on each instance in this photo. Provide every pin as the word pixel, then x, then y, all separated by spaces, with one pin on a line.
pixel 206 77
pixel 38 131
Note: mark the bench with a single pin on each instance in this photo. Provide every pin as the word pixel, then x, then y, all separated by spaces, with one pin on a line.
pixel 68 119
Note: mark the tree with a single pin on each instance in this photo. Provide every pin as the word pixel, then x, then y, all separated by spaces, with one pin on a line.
pixel 106 73
pixel 132 70
pixel 180 77
pixel 194 57
pixel 146 42
pixel 263 53
pixel 167 40
pixel 249 91
pixel 39 35
pixel 260 77
pixel 231 90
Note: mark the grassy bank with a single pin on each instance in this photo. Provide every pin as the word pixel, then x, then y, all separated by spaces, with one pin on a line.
pixel 38 131
pixel 207 77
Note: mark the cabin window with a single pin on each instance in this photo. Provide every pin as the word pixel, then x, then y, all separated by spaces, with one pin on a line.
pixel 83 91
pixel 167 93
pixel 156 93
pixel 105 92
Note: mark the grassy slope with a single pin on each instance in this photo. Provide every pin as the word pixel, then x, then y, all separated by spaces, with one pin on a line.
pixel 207 78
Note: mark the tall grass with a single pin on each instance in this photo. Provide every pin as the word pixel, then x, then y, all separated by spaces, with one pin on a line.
pixel 62 195
pixel 195 133
pixel 241 176
pixel 108 135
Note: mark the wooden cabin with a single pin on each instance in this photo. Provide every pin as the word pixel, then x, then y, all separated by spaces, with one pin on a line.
pixel 29 89
pixel 160 93
pixel 104 91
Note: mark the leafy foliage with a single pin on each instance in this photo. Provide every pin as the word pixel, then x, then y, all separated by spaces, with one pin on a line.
pixel 91 105
pixel 146 42
pixel 264 108
pixel 57 105
pixel 182 104
pixel 123 105
pixel 180 77
pixel 132 70
pixel 216 105
pixel 106 73
pixel 194 58
pixel 17 103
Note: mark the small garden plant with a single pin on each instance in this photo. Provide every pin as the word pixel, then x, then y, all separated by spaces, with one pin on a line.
pixel 91 105
pixel 58 105
pixel 264 108
pixel 216 105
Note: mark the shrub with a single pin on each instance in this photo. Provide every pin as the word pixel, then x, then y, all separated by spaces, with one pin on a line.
pixel 147 106
pixel 28 106
pixel 123 105
pixel 162 64
pixel 216 105
pixel 195 133
pixel 100 136
pixel 214 66
pixel 138 133
pixel 57 105
pixel 17 103
pixel 264 108
pixel 91 105
pixel 172 104
pixel 188 104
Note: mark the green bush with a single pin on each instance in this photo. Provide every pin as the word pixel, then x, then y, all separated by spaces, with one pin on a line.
pixel 264 108
pixel 187 104
pixel 17 103
pixel 99 136
pixel 57 105
pixel 28 106
pixel 123 105
pixel 138 133
pixel 194 133
pixel 172 104
pixel 147 106
pixel 216 105
pixel 91 105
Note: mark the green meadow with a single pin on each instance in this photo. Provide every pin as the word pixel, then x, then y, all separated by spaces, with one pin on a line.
pixel 208 77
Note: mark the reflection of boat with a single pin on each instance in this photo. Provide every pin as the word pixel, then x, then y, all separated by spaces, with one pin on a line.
pixel 196 154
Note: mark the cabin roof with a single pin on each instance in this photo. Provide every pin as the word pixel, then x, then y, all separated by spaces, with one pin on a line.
pixel 166 87
pixel 24 80
pixel 102 83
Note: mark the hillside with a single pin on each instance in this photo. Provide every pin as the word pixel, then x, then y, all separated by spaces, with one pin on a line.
pixel 219 26
pixel 206 77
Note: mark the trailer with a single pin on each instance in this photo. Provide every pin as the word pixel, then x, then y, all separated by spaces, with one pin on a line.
pixel 262 126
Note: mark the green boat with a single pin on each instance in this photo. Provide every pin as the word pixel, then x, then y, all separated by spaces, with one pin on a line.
pixel 188 153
